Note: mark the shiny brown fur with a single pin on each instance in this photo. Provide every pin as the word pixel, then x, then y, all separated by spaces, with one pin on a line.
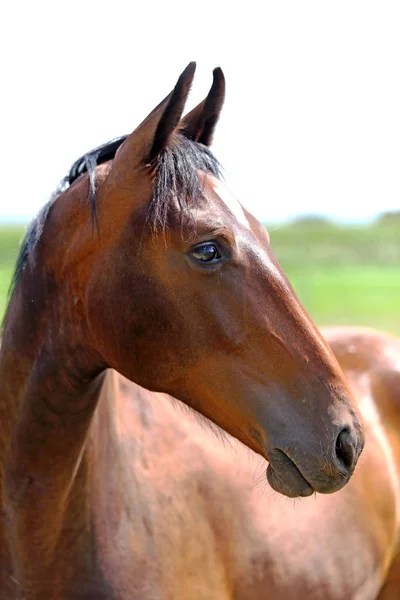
pixel 108 491
pixel 251 543
pixel 217 511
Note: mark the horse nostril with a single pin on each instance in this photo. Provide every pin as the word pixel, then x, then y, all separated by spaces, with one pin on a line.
pixel 345 449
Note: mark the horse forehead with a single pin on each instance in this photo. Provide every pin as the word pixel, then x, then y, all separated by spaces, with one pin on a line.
pixel 228 199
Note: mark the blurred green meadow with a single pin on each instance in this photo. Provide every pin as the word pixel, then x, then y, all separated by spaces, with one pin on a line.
pixel 10 237
pixel 342 274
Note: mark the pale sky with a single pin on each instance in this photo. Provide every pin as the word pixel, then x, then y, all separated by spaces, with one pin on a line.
pixel 311 122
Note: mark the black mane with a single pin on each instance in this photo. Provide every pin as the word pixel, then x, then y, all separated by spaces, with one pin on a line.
pixel 98 156
pixel 176 177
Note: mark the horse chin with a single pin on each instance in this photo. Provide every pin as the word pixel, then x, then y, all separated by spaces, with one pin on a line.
pixel 284 477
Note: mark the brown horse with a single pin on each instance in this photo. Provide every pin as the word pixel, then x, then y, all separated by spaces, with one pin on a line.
pixel 109 490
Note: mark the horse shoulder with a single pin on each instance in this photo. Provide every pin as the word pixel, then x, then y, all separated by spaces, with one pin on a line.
pixel 371 362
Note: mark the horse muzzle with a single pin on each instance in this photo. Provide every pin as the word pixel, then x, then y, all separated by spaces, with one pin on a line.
pixel 326 473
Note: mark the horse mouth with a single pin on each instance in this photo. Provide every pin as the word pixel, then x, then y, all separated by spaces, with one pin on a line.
pixel 285 477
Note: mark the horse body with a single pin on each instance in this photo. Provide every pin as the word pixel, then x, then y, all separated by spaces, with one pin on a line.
pixel 178 499
pixel 109 491
pixel 194 501
pixel 159 508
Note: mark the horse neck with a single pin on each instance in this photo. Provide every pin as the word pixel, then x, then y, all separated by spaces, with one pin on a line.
pixel 50 383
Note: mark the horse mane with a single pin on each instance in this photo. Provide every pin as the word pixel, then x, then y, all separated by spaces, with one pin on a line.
pixel 176 178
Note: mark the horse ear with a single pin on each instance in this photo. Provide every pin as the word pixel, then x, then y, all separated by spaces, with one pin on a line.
pixel 153 134
pixel 174 105
pixel 199 124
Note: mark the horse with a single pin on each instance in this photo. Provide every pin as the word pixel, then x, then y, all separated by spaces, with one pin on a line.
pixel 154 358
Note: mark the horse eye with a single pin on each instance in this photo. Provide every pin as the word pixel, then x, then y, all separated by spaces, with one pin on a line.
pixel 206 253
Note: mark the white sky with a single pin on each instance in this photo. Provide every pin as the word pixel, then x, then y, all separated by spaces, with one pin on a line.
pixel 311 122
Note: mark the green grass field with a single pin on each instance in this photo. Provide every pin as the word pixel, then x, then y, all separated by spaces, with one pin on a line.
pixel 9 247
pixel 343 275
